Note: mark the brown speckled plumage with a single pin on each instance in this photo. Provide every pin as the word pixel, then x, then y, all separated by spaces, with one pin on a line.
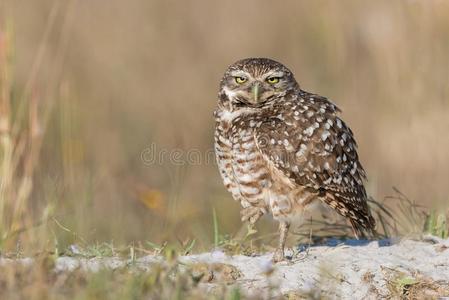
pixel 280 148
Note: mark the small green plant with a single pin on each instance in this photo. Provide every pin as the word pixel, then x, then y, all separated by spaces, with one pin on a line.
pixel 215 223
pixel 413 286
pixel 98 250
pixel 235 294
pixel 436 224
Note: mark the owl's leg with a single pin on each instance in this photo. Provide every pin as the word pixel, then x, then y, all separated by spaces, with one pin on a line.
pixel 283 230
pixel 251 214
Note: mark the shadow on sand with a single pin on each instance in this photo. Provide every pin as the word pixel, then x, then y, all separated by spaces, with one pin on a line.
pixel 334 242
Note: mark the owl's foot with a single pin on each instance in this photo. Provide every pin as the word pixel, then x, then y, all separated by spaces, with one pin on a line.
pixel 251 214
pixel 278 255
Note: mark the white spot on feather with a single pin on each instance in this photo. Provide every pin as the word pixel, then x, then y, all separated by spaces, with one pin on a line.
pixel 354 168
pixel 339 124
pixel 325 135
pixel 309 131
pixel 302 150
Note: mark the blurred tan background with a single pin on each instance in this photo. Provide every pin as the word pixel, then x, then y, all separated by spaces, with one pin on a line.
pixel 125 76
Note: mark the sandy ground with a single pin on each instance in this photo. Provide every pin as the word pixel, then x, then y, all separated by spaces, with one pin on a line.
pixel 348 270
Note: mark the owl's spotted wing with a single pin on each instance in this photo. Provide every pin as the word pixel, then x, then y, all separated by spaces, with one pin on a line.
pixel 314 148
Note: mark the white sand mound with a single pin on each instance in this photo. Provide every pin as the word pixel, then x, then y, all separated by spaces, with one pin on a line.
pixel 348 270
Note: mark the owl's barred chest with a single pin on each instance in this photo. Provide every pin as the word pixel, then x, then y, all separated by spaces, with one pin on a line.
pixel 240 162
pixel 246 173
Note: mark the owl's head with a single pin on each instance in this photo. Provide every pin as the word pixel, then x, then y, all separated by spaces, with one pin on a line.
pixel 256 81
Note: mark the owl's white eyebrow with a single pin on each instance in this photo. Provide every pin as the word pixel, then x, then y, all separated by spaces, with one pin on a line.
pixel 275 74
pixel 239 74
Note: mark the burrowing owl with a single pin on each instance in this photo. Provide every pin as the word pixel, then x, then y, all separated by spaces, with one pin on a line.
pixel 280 149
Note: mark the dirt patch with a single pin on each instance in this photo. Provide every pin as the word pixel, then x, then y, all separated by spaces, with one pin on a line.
pixel 215 272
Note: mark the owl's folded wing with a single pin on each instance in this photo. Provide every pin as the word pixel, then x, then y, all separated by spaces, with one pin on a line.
pixel 314 148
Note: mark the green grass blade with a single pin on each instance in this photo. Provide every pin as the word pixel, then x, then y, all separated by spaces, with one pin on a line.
pixel 215 220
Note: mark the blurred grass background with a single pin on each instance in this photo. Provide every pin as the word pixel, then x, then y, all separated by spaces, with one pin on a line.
pixel 92 85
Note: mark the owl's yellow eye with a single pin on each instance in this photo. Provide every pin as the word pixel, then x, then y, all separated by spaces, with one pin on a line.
pixel 273 80
pixel 240 79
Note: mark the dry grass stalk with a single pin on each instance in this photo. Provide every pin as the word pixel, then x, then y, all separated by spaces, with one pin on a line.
pixel 19 148
pixel 23 120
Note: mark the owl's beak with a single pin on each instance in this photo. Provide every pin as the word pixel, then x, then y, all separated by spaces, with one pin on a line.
pixel 256 92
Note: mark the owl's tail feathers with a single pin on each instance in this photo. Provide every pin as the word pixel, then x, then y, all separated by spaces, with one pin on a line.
pixel 364 230
pixel 359 215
